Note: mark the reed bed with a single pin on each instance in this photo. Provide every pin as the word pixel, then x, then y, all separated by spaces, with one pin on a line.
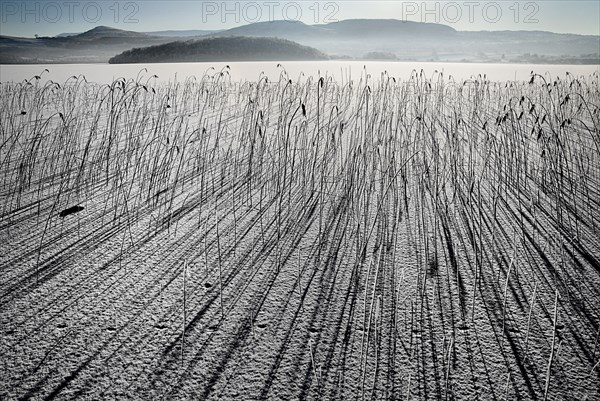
pixel 300 237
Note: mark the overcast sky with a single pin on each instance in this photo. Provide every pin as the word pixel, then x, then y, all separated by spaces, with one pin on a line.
pixel 49 18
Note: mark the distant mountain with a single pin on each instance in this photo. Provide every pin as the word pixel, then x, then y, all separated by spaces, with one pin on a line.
pixel 358 38
pixel 234 48
pixel 171 33
pixel 280 29
pixel 67 34
pixel 183 34
pixel 101 32
pixel 409 40
pixel 94 46
pixel 342 30
pixel 389 28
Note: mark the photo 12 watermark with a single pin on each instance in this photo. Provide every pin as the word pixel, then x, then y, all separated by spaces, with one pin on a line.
pixel 213 12
pixel 27 12
pixel 452 12
pixel 228 12
pixel 441 12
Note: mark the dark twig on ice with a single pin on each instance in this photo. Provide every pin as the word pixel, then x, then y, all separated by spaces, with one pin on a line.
pixel 71 210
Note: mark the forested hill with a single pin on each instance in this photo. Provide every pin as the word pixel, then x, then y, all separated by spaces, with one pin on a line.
pixel 235 48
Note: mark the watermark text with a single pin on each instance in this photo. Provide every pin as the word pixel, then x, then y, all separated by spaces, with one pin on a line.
pixel 253 11
pixel 69 11
pixel 451 12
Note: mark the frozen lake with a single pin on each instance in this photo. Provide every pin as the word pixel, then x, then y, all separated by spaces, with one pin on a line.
pixel 241 71
pixel 223 240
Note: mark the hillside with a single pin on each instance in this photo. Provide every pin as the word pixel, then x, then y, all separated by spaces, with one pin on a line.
pixel 291 30
pixel 401 40
pixel 187 33
pixel 342 30
pixel 429 42
pixel 94 46
pixel 101 32
pixel 235 48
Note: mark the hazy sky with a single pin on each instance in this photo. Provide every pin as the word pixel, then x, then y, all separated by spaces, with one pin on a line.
pixel 49 18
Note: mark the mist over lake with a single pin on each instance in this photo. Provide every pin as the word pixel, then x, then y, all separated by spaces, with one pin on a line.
pixel 250 71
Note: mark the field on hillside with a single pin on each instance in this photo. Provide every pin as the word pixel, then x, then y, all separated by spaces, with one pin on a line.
pixel 298 238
